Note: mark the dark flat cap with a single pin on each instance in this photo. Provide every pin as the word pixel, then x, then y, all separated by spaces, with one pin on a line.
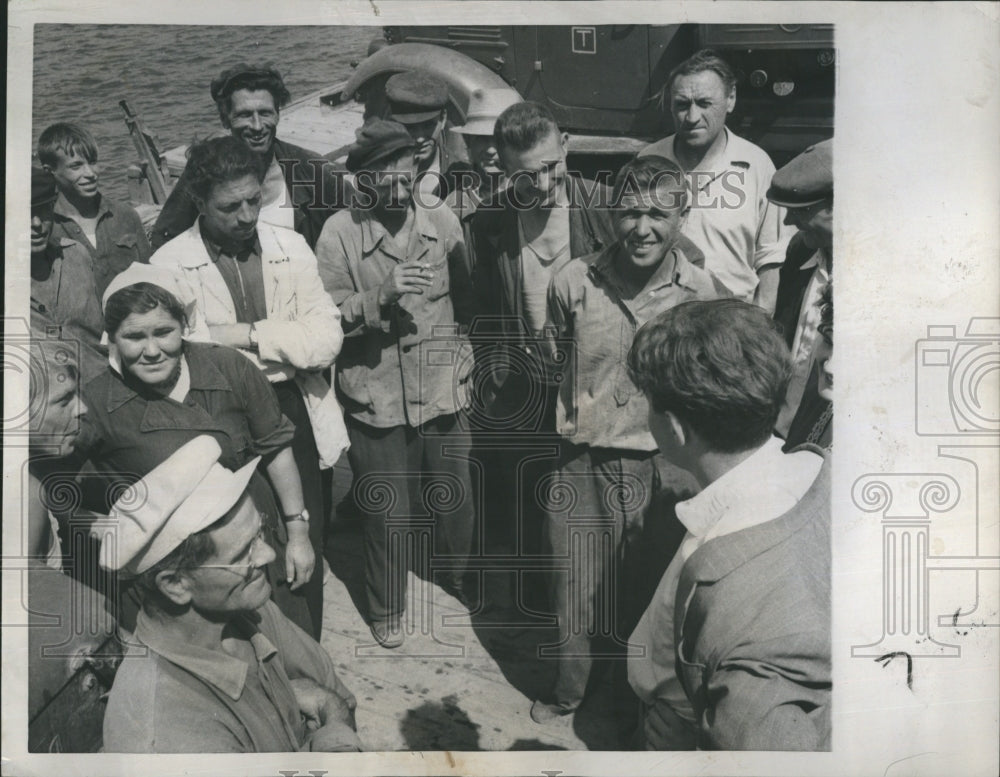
pixel 43 187
pixel 224 84
pixel 376 140
pixel 806 180
pixel 415 96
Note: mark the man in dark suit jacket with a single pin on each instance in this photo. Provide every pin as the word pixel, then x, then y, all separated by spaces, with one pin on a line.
pixel 249 99
pixel 805 188
pixel 737 638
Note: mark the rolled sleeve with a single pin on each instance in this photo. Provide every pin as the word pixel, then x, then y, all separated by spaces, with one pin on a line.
pixel 772 236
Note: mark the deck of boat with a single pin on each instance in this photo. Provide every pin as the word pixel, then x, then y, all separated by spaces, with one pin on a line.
pixel 459 682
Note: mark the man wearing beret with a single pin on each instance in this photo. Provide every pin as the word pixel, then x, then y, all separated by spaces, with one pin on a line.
pixel 805 187
pixel 418 101
pixel 299 188
pixel 216 667
pixel 731 220
pixel 64 291
pixel 397 271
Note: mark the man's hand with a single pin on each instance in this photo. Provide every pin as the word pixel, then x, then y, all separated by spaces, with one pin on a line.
pixel 405 278
pixel 233 335
pixel 329 718
pixel 299 555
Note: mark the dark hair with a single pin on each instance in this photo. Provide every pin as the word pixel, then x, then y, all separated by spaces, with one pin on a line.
pixel 523 125
pixel 218 161
pixel 721 366
pixel 699 62
pixel 252 78
pixel 194 551
pixel 140 298
pixel 645 174
pixel 68 138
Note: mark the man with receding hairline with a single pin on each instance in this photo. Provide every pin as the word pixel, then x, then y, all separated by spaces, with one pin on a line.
pixel 731 220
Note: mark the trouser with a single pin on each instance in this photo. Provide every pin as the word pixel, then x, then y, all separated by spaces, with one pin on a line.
pixel 596 505
pixel 405 477
pixel 515 440
pixel 307 462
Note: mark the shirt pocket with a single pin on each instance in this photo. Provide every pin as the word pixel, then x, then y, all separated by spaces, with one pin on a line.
pixel 441 283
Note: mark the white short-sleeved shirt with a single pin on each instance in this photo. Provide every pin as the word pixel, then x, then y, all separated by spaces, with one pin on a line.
pixel 731 219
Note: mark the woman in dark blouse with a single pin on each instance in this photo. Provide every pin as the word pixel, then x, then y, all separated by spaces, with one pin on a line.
pixel 160 391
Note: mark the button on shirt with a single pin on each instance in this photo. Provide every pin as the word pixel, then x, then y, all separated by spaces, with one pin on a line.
pixel 405 363
pixel 596 315
pixel 119 240
pixel 762 487
pixel 731 219
pixel 177 697
pixel 804 342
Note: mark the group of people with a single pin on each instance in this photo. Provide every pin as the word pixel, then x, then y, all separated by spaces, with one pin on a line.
pixel 673 341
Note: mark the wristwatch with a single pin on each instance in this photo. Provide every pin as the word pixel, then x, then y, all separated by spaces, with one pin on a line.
pixel 303 516
pixel 253 339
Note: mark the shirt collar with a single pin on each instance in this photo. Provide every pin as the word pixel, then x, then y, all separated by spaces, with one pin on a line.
pixel 216 249
pixel 732 156
pixel 216 667
pixel 748 489
pixel 669 272
pixel 373 232
pixel 62 208
pixel 202 374
pixel 818 259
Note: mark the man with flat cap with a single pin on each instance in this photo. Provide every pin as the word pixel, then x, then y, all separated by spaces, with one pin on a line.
pixel 65 295
pixel 216 667
pixel 397 271
pixel 418 101
pixel 299 189
pixel 805 188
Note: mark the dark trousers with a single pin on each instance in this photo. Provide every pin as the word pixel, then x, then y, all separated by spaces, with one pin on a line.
pixel 596 504
pixel 405 477
pixel 307 461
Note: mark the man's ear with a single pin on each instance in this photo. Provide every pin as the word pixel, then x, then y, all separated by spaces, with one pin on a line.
pixel 174 585
pixel 731 100
pixel 678 428
pixel 564 142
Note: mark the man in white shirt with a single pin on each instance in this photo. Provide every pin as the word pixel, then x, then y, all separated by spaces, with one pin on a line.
pixel 805 187
pixel 737 638
pixel 731 220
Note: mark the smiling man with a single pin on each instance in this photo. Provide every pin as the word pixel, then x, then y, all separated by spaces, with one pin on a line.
pixel 607 453
pixel 216 667
pixel 256 288
pixel 299 188
pixel 64 290
pixel 109 231
pixel 731 220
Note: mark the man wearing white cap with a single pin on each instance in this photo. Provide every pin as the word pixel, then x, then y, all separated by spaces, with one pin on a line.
pixel 486 177
pixel 217 667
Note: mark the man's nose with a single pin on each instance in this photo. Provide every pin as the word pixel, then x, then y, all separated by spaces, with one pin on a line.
pixel 255 122
pixel 791 218
pixel 263 554
pixel 247 214
pixel 88 170
pixel 36 222
pixel 81 406
pixel 642 225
